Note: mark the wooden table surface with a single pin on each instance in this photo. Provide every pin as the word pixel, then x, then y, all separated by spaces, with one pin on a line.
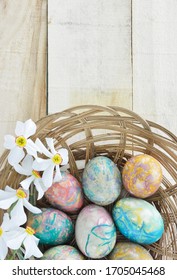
pixel 60 53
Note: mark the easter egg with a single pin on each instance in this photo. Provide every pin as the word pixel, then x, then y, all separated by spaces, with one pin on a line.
pixel 95 232
pixel 62 252
pixel 52 226
pixel 101 181
pixel 129 251
pixel 138 220
pixel 142 175
pixel 66 194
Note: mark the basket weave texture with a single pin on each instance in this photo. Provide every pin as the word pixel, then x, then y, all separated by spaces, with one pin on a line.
pixel 89 131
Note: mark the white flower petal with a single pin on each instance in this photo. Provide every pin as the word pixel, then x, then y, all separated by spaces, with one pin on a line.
pixel 20 128
pixel 30 207
pixel 8 224
pixel 6 194
pixel 41 164
pixel 31 148
pixel 14 233
pixel 47 176
pixel 36 240
pixel 58 176
pixel 9 142
pixel 64 154
pixel 31 248
pixel 6 203
pixel 15 155
pixel 50 143
pixel 40 188
pixel 3 249
pixel 42 148
pixel 18 213
pixel 5 221
pixel 27 182
pixel 9 189
pixel 20 170
pixel 16 239
pixel 30 128
pixel 27 163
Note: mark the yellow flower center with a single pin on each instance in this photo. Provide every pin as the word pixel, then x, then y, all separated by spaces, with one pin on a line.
pixel 36 174
pixel 29 230
pixel 57 159
pixel 21 141
pixel 21 194
pixel 1 231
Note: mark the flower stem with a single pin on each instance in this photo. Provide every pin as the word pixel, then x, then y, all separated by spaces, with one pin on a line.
pixel 11 255
pixel 33 195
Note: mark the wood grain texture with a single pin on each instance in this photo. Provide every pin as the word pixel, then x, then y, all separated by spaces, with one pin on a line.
pixel 89 53
pixel 22 62
pixel 155 61
pixel 90 47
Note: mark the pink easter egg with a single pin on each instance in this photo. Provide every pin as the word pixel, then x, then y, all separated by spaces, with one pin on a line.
pixel 66 195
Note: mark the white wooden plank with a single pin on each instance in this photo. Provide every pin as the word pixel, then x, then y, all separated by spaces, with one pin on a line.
pixel 89 53
pixel 22 62
pixel 155 61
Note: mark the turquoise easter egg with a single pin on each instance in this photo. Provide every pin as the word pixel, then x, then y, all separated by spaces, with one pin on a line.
pixel 95 232
pixel 129 251
pixel 52 226
pixel 66 194
pixel 62 252
pixel 101 181
pixel 138 220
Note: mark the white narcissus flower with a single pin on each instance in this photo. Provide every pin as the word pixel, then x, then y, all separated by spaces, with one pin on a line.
pixel 22 236
pixel 17 144
pixel 9 196
pixel 34 176
pixel 55 159
pixel 5 227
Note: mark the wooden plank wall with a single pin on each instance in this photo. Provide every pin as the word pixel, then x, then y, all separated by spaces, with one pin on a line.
pixel 116 52
pixel 23 28
pixel 89 53
pixel 155 61
pixel 103 52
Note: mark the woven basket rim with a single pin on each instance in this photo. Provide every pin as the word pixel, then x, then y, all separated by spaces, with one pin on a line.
pixel 118 133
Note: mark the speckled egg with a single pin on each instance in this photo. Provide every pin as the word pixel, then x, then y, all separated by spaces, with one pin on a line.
pixel 95 232
pixel 52 226
pixel 66 195
pixel 129 251
pixel 138 220
pixel 101 181
pixel 142 175
pixel 62 252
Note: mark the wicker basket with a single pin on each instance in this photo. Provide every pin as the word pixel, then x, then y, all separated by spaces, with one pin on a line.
pixel 115 132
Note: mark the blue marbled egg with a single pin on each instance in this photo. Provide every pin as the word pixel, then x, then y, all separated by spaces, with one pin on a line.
pixel 51 226
pixel 101 181
pixel 95 232
pixel 138 220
